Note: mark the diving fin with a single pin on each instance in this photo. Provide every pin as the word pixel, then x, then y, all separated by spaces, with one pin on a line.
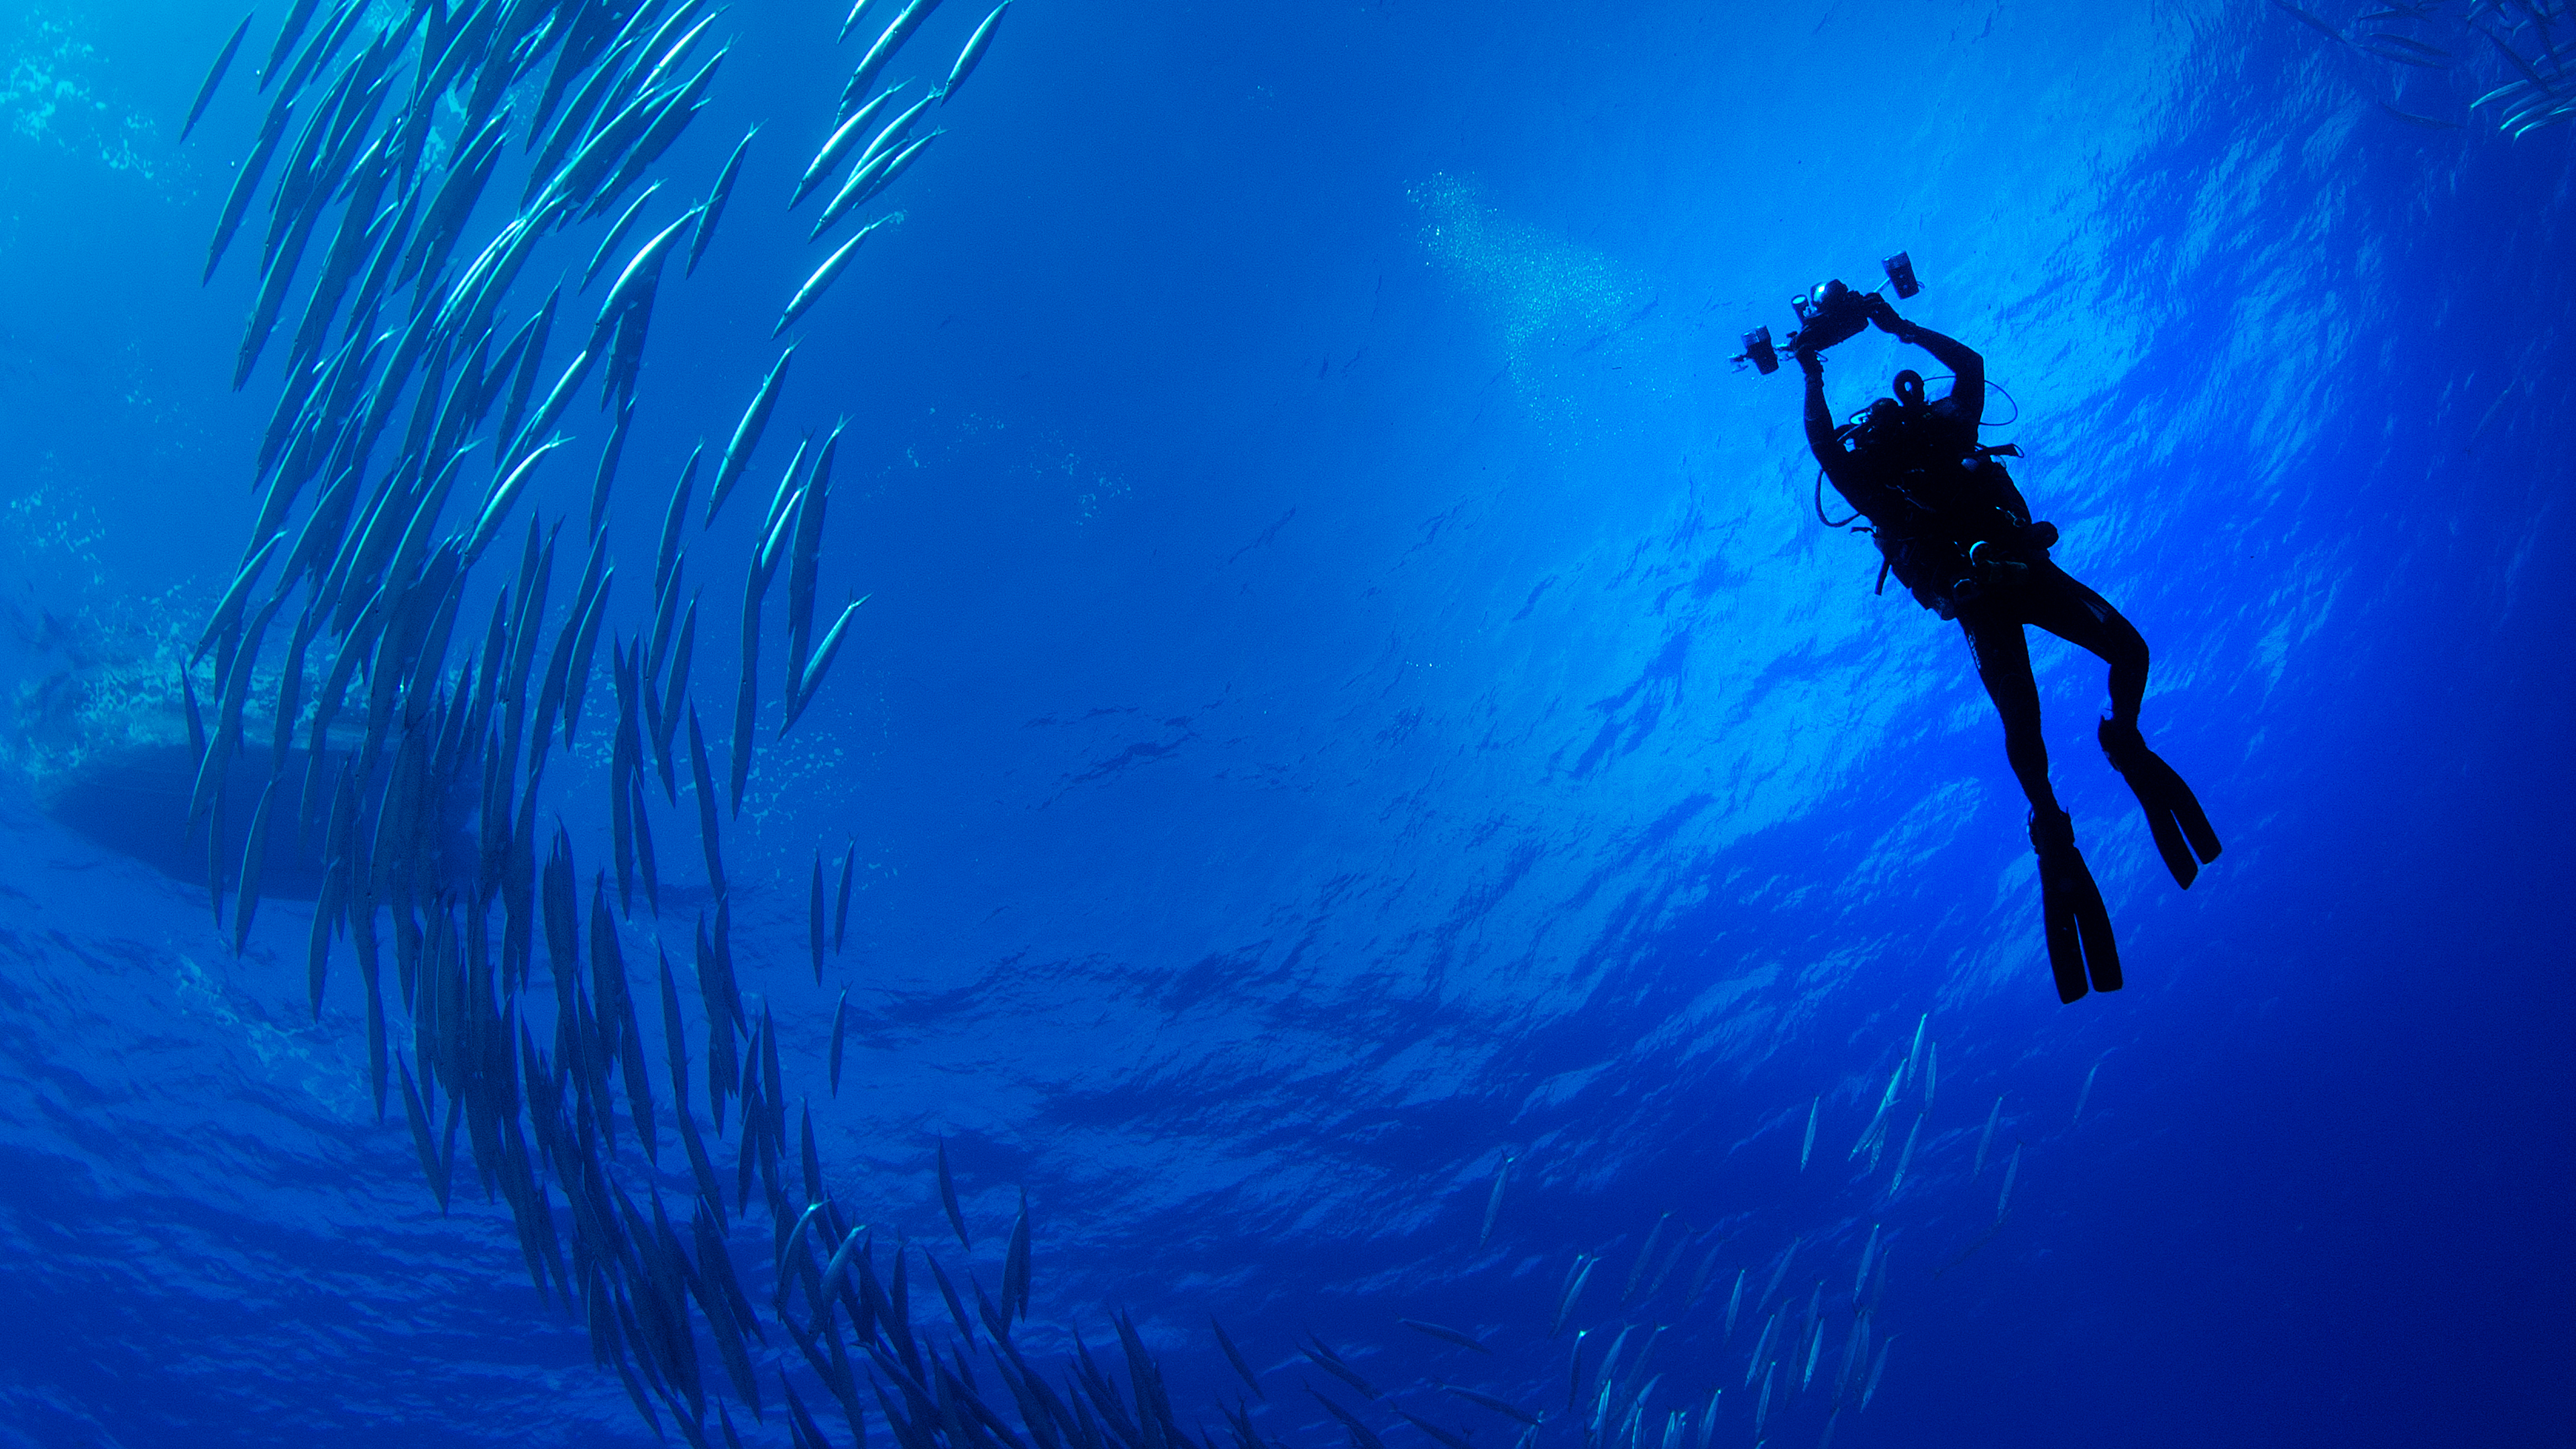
pixel 2174 817
pixel 2080 945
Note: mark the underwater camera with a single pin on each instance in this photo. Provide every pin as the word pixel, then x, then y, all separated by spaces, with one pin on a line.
pixel 1831 313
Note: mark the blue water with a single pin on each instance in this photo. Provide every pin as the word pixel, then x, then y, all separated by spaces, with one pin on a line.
pixel 1353 689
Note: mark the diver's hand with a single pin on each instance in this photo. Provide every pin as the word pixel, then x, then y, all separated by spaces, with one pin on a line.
pixel 1883 313
pixel 1809 362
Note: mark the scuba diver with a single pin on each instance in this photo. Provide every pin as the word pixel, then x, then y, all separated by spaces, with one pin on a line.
pixel 1957 533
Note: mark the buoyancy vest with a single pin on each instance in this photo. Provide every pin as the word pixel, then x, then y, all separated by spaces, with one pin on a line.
pixel 1943 509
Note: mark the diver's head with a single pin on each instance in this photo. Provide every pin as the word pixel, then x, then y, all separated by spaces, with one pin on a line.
pixel 1909 389
pixel 1875 425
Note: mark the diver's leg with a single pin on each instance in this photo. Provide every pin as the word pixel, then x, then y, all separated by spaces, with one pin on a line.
pixel 2066 608
pixel 2054 600
pixel 2077 927
pixel 2002 653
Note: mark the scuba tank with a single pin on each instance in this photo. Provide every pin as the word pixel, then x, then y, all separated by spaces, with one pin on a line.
pixel 1965 527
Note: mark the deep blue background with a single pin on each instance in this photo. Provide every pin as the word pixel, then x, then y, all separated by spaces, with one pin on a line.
pixel 1353 688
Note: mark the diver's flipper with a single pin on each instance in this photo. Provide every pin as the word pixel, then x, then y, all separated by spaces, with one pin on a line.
pixel 2174 817
pixel 2078 926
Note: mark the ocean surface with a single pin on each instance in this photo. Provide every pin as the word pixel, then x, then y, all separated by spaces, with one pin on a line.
pixel 1353 692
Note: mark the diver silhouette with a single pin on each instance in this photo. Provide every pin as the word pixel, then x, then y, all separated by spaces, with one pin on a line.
pixel 1955 531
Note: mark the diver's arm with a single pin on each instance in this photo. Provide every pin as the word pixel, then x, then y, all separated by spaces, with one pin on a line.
pixel 1820 415
pixel 1961 359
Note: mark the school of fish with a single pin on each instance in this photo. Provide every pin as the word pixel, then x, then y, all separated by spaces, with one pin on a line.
pixel 419 431
pixel 2535 39
pixel 423 402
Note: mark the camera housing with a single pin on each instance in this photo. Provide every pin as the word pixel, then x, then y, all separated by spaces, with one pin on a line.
pixel 1830 314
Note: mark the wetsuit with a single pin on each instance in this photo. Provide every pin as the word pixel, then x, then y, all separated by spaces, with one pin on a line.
pixel 1957 533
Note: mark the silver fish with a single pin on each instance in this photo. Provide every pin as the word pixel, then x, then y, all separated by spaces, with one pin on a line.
pixel 617 231
pixel 1494 1200
pixel 812 679
pixel 498 510
pixel 215 76
pixel 637 281
pixel 948 1190
pixel 551 411
pixel 746 434
pixel 1445 1335
pixel 1573 1290
pixel 896 33
pixel 1488 1401
pixel 1015 1263
pixel 843 137
pixel 1907 1156
pixel 229 610
pixel 254 858
pixel 287 34
pixel 1645 1255
pixel 604 476
pixel 976 45
pixel 840 1024
pixel 841 911
pixel 713 211
pixel 804 559
pixel 825 275
pixel 856 12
